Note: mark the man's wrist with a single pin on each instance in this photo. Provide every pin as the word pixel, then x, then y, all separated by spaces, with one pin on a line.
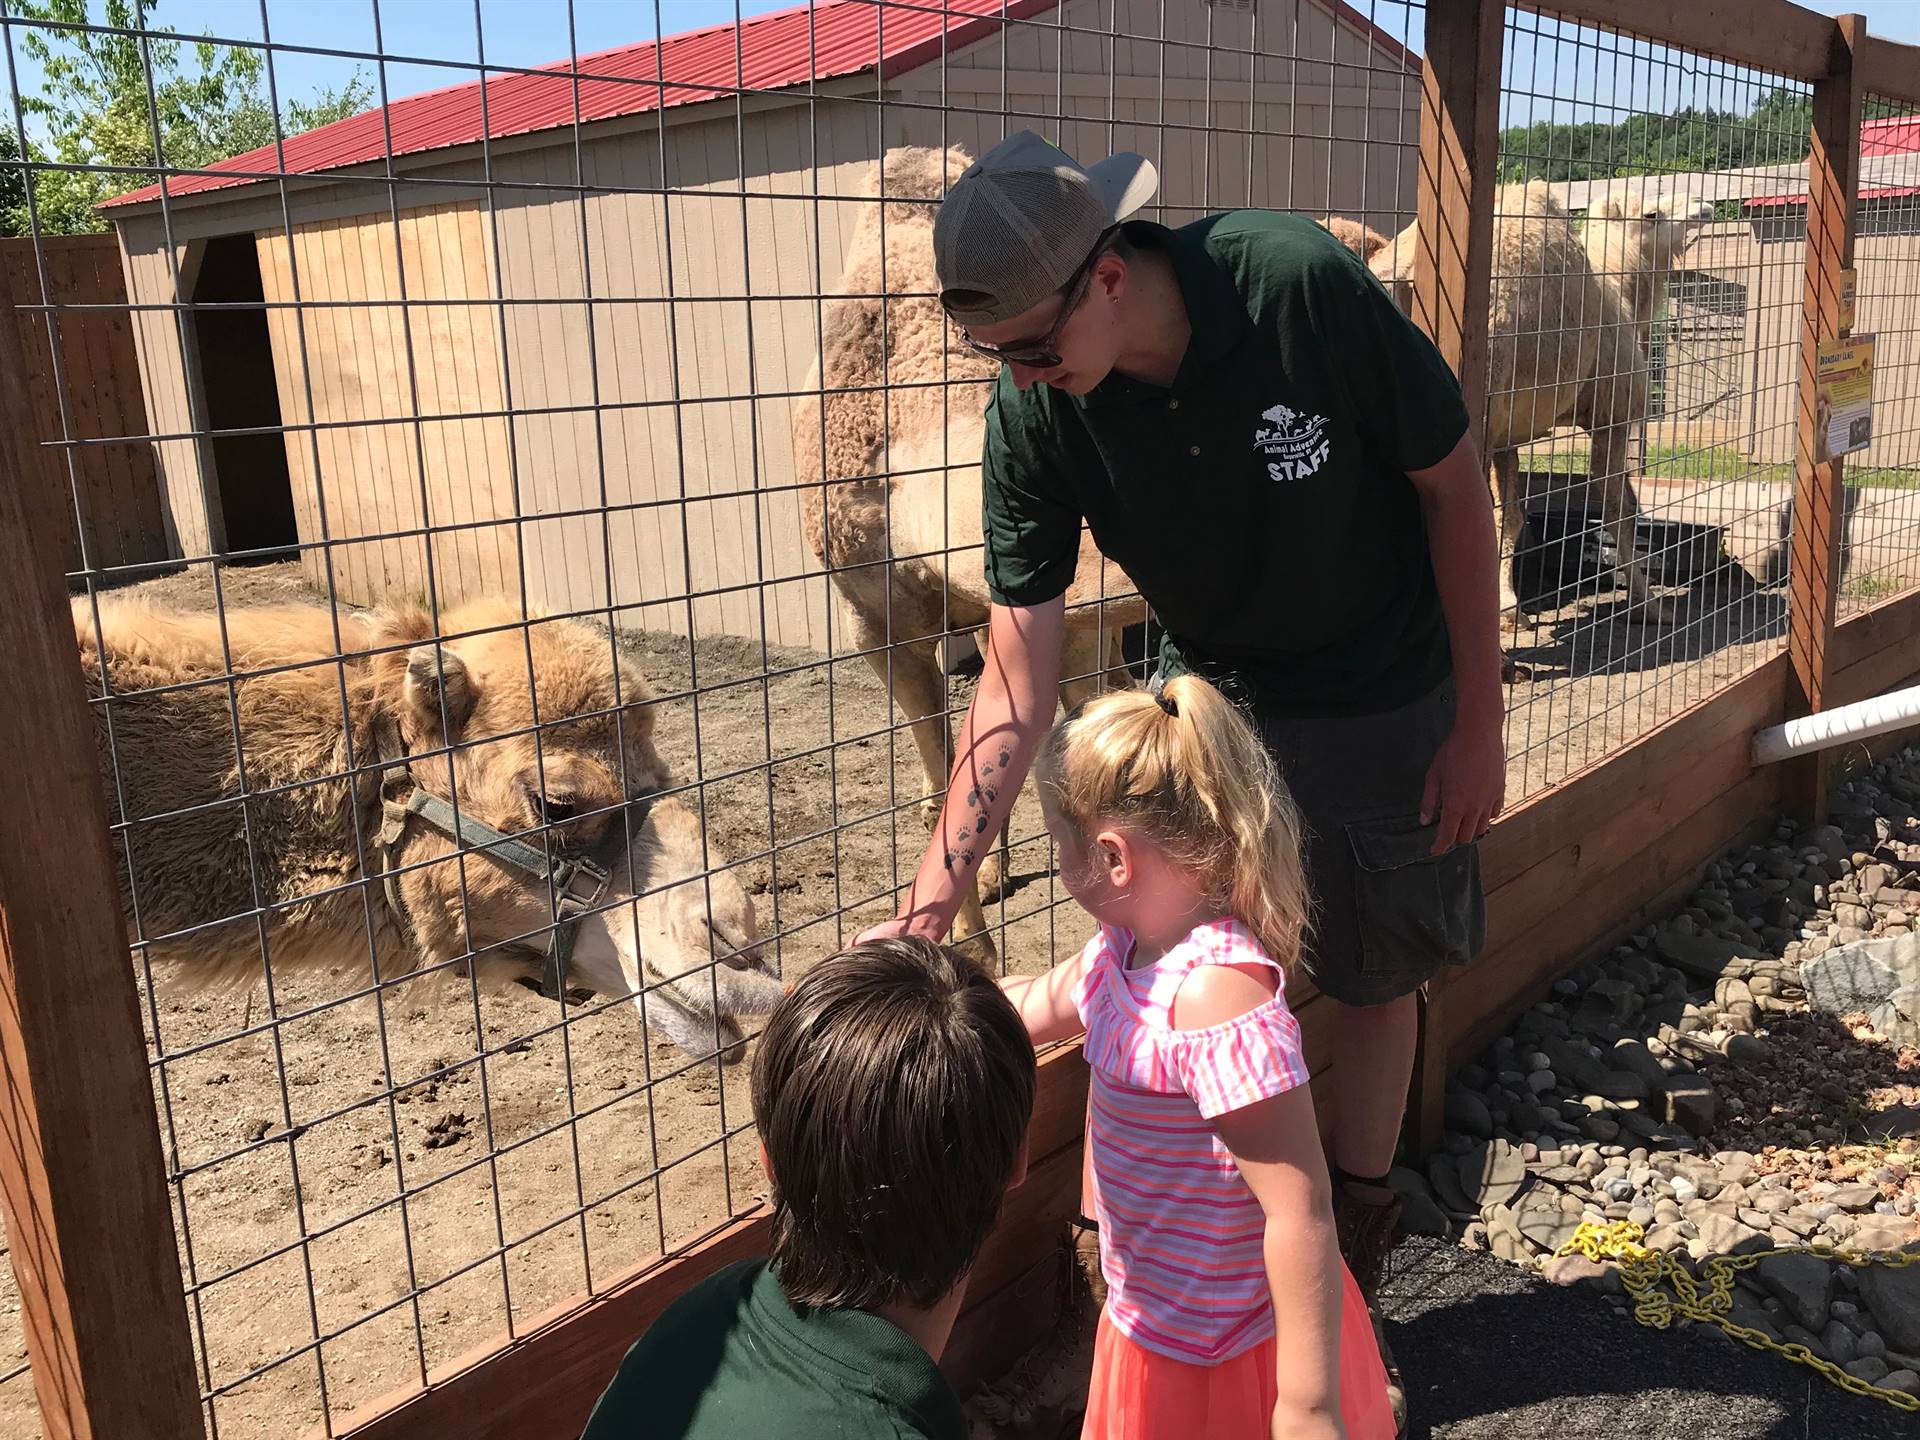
pixel 925 922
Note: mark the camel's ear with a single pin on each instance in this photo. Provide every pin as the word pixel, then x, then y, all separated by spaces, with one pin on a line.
pixel 435 674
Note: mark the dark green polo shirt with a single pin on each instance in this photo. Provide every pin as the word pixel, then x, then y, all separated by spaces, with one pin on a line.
pixel 1261 503
pixel 732 1358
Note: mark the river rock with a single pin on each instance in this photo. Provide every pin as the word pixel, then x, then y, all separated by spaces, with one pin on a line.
pixel 1702 957
pixel 1466 1111
pixel 1492 1174
pixel 1803 1284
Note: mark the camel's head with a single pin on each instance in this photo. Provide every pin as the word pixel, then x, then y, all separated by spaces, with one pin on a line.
pixel 541 737
pixel 1654 226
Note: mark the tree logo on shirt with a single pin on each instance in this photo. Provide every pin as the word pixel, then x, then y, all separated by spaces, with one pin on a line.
pixel 1295 445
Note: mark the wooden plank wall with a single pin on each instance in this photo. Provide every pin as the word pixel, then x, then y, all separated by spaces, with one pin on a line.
pixel 157 338
pixel 116 486
pixel 348 369
pixel 1331 123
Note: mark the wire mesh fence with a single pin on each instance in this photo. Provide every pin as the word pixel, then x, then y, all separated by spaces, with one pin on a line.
pixel 533 363
pixel 1880 524
pixel 568 433
pixel 1644 365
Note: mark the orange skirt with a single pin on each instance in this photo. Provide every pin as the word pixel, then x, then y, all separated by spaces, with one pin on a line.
pixel 1140 1394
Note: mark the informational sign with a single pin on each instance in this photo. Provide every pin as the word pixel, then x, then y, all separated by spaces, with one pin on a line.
pixel 1849 286
pixel 1843 397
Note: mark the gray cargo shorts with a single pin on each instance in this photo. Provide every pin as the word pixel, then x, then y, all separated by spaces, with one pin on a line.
pixel 1388 914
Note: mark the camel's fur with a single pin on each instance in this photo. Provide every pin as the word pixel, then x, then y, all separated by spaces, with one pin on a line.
pixel 1362 239
pixel 169 752
pixel 904 473
pixel 1571 318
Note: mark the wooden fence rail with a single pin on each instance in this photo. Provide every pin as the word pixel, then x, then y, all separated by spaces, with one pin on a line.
pixel 1567 872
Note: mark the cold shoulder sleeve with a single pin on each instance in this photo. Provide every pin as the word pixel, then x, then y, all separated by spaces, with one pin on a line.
pixel 1241 1061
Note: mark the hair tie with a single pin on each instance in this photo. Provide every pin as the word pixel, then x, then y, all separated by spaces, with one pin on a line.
pixel 1158 689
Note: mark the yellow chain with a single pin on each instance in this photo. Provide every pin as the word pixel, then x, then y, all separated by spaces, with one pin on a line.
pixel 1642 1271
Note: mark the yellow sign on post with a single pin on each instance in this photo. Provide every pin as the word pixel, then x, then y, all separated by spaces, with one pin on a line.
pixel 1849 287
pixel 1843 397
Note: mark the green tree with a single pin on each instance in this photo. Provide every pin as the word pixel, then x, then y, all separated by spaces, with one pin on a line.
pixel 13 185
pixel 105 97
pixel 1776 131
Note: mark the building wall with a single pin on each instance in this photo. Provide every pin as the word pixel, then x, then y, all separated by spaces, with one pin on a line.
pixel 650 399
pixel 359 374
pixel 150 275
pixel 1884 307
pixel 1320 119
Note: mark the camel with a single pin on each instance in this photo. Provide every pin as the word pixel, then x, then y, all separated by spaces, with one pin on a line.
pixel 897 522
pixel 1362 239
pixel 342 743
pixel 1571 320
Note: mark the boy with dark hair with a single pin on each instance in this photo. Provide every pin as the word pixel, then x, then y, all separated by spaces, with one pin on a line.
pixel 892 1090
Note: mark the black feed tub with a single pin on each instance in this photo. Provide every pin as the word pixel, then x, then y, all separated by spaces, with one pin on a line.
pixel 1563 553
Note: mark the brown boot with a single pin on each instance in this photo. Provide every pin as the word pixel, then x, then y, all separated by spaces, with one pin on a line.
pixel 1086 1248
pixel 1365 1218
pixel 1044 1394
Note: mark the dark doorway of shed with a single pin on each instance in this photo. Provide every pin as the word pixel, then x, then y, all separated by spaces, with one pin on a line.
pixel 236 369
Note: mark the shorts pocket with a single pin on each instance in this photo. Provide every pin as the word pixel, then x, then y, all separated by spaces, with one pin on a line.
pixel 1417 911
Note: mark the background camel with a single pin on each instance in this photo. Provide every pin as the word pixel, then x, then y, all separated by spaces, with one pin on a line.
pixel 1571 317
pixel 1362 239
pixel 898 524
pixel 206 841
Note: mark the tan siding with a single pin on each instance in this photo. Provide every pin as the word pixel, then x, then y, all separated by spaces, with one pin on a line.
pixel 373 475
pixel 690 453
pixel 156 336
pixel 670 323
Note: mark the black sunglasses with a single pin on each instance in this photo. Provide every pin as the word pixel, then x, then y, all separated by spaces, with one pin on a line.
pixel 1039 354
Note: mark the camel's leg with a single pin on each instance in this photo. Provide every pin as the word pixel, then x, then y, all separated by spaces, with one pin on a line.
pixel 1510 505
pixel 1119 677
pixel 1619 508
pixel 913 672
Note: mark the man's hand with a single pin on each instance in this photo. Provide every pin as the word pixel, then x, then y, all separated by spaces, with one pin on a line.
pixel 1467 782
pixel 915 922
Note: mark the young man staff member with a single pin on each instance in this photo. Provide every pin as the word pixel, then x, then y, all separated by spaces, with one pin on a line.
pixel 1281 462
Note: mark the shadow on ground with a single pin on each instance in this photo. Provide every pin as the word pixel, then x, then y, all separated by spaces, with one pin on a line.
pixel 1491 1352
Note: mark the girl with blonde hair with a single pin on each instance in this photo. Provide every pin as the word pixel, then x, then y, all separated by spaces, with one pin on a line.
pixel 1229 1313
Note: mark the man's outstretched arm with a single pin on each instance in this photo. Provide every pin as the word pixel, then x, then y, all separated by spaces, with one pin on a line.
pixel 1011 713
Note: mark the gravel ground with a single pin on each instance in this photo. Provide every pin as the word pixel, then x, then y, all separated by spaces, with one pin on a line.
pixel 1491 1352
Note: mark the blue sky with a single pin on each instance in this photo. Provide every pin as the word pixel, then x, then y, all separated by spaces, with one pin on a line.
pixel 533 32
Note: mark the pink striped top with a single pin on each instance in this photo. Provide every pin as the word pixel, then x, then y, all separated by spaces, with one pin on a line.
pixel 1180 1232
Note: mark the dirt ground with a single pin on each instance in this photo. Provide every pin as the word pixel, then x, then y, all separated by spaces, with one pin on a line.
pixel 460 1163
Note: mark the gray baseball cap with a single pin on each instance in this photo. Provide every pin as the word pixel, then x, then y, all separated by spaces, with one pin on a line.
pixel 1020 220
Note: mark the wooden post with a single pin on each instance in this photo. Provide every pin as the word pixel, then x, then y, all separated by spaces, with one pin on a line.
pixel 82 1186
pixel 1833 179
pixel 1459 148
pixel 1452 278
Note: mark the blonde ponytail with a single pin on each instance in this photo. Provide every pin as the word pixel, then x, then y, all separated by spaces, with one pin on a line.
pixel 1186 768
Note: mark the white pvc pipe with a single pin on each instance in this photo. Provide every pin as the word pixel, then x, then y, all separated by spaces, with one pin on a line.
pixel 1892 711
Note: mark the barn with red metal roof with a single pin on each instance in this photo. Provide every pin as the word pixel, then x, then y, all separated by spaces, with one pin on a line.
pixel 564 309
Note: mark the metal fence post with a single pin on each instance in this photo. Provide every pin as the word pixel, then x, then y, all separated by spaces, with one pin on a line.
pixel 82 1184
pixel 1452 276
pixel 1833 180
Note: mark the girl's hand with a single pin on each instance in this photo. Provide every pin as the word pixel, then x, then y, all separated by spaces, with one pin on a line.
pixel 1293 1423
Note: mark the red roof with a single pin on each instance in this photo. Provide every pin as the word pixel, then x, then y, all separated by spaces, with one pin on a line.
pixel 1895 135
pixel 780 50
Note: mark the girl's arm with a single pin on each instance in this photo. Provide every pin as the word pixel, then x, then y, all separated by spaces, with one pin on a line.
pixel 1276 1144
pixel 1045 1002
